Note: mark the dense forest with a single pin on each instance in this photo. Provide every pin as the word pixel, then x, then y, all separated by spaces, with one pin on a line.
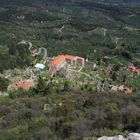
pixel 67 115
pixel 14 56
pixel 84 26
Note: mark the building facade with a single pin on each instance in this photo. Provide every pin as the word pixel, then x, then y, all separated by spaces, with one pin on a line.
pixel 62 60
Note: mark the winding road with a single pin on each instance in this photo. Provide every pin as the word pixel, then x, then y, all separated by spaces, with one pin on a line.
pixel 40 50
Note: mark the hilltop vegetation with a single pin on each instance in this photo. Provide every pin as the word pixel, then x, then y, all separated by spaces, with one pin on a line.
pixel 14 56
pixel 68 115
pixel 69 106
pixel 84 25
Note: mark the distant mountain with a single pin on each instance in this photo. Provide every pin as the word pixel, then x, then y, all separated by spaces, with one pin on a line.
pixel 120 2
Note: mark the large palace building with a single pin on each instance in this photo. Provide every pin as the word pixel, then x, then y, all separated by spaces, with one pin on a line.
pixel 62 60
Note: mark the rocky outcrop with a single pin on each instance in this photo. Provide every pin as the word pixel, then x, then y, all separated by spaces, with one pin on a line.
pixel 119 137
pixel 131 136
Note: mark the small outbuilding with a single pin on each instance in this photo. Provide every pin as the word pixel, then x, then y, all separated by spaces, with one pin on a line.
pixel 24 84
pixel 40 66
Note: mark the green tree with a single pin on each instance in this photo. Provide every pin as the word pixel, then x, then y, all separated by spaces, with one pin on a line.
pixel 66 86
pixel 41 86
pixel 4 83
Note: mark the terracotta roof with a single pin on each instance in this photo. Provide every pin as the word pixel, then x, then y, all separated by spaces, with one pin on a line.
pixel 69 57
pixel 24 84
pixel 127 90
pixel 78 57
pixel 134 69
pixel 59 59
pixel 34 51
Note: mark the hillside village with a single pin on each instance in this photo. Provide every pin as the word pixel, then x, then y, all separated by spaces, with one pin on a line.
pixel 69 70
pixel 63 83
pixel 75 69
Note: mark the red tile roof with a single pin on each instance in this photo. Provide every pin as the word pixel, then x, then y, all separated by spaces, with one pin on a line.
pixel 69 57
pixel 59 59
pixel 128 90
pixel 62 58
pixel 24 84
pixel 34 51
pixel 78 57
pixel 134 69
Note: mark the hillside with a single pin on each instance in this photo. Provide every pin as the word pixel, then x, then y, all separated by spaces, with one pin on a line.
pixel 84 22
pixel 69 69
